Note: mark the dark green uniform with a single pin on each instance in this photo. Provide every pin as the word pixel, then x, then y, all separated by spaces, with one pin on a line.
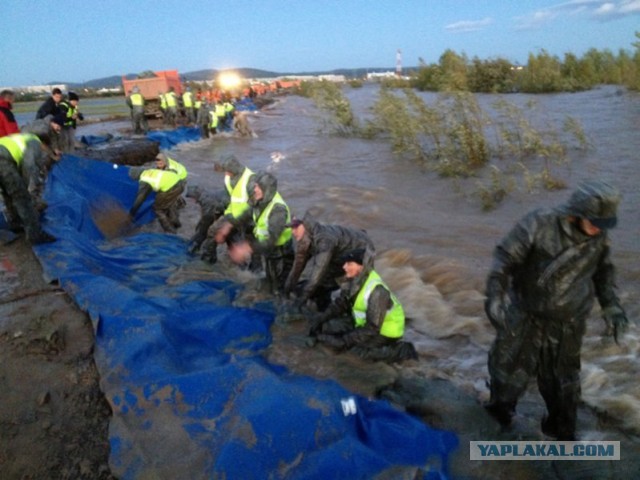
pixel 545 276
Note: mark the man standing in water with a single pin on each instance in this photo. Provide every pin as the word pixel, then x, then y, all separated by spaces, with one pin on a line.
pixel 546 273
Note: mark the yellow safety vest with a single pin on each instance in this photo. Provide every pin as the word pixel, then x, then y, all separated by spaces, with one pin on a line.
pixel 171 99
pixel 197 104
pixel 70 111
pixel 187 99
pixel 239 196
pixel 160 180
pixel 137 100
pixel 220 110
pixel 214 119
pixel 393 323
pixel 261 229
pixel 16 144
pixel 228 107
pixel 163 101
pixel 178 168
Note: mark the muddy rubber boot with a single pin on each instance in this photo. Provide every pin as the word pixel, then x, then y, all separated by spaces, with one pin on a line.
pixel 165 222
pixel 501 412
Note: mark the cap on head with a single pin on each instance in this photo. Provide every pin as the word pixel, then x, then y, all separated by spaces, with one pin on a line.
pixel 356 255
pixel 597 201
pixel 294 223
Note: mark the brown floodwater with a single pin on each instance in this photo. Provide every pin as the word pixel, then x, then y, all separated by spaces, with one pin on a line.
pixel 433 238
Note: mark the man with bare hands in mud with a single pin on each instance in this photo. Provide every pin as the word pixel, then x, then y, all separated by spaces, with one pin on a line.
pixel 545 276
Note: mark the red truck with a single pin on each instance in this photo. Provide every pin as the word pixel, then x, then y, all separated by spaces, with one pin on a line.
pixel 151 87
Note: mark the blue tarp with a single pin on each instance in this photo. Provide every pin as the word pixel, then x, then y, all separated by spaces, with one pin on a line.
pixel 170 138
pixel 192 395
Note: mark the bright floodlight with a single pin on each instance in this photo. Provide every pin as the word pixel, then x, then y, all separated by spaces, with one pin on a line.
pixel 229 80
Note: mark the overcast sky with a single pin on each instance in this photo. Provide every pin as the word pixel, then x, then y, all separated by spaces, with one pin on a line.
pixel 79 40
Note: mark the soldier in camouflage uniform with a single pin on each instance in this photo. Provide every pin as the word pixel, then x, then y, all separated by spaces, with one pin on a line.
pixel 212 207
pixel 545 276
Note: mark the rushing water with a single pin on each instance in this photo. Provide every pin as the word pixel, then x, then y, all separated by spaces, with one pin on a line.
pixel 435 241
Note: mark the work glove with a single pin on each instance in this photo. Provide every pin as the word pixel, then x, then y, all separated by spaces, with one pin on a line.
pixel 495 306
pixel 193 248
pixel 616 321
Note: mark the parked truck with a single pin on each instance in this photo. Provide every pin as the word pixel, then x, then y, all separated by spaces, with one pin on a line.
pixel 152 86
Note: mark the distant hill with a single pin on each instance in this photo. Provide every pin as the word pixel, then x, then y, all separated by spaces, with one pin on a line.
pixel 209 74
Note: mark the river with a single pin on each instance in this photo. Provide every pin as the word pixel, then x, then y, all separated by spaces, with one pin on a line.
pixel 434 240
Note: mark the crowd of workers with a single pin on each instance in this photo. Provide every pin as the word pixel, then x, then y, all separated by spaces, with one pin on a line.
pixel 212 111
pixel 27 153
pixel 547 271
pixel 251 218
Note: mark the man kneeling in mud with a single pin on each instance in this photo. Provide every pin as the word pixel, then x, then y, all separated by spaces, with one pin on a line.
pixel 366 317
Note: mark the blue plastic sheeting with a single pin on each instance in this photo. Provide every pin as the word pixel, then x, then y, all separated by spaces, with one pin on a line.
pixel 92 140
pixel 170 138
pixel 192 395
pixel 246 104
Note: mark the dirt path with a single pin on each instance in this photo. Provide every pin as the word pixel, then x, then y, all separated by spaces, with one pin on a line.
pixel 53 416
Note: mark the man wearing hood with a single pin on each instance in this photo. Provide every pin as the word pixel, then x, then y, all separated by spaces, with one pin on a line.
pixel 239 182
pixel 545 276
pixel 267 218
pixel 366 317
pixel 320 249
pixel 212 207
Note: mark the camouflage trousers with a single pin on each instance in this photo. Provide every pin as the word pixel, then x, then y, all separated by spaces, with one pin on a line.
pixel 20 210
pixel 366 342
pixel 548 349
pixel 165 207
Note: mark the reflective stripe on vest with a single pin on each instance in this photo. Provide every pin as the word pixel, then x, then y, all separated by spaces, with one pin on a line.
pixel 187 99
pixel 137 100
pixel 261 230
pixel 159 180
pixel 239 196
pixel 16 144
pixel 170 98
pixel 393 323
pixel 214 119
pixel 177 167
pixel 70 111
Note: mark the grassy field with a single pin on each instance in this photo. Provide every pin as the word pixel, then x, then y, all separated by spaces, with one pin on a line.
pixel 101 107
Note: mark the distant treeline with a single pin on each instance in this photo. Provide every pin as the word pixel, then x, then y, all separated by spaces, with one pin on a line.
pixel 543 73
